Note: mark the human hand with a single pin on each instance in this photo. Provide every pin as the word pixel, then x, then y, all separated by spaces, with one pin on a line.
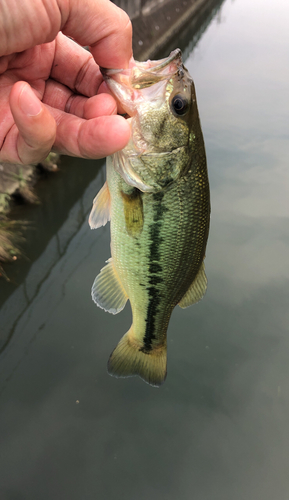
pixel 49 83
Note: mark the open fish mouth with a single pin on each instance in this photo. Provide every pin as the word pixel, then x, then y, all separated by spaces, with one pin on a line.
pixel 126 84
pixel 144 74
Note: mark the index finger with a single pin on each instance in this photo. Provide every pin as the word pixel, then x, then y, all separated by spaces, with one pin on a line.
pixel 103 26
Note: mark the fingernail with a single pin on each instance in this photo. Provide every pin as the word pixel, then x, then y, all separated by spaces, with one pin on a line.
pixel 29 103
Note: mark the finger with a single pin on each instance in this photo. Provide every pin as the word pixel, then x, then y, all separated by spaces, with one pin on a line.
pixel 103 26
pixel 99 24
pixel 95 138
pixel 25 24
pixel 75 67
pixel 104 90
pixel 36 132
pixel 99 105
pixel 60 97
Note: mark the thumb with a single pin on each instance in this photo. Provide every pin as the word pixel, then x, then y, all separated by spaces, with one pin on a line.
pixel 36 126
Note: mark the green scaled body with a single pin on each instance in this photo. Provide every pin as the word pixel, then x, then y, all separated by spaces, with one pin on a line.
pixel 157 199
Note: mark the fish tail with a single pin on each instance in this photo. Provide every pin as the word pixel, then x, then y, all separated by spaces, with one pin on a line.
pixel 128 359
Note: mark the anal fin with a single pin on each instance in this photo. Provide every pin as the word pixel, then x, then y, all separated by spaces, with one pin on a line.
pixel 100 212
pixel 197 289
pixel 107 291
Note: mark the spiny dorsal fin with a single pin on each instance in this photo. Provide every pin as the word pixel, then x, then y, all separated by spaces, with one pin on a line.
pixel 128 360
pixel 197 289
pixel 107 291
pixel 100 213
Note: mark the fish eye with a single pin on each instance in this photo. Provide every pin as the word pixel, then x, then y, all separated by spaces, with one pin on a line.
pixel 180 105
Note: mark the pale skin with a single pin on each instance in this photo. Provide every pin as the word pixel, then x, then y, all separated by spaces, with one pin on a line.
pixel 50 86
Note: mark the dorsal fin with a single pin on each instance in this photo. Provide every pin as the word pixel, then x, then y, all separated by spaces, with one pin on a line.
pixel 100 212
pixel 197 289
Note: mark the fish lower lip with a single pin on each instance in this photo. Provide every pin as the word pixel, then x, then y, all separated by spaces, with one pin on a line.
pixel 107 72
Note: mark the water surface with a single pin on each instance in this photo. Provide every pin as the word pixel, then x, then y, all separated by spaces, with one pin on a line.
pixel 219 426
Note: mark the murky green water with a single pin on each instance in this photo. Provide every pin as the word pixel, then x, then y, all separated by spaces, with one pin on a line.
pixel 219 427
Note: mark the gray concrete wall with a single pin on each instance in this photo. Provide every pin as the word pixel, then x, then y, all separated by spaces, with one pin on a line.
pixel 135 8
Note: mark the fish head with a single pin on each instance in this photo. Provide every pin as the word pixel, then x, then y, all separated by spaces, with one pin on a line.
pixel 160 104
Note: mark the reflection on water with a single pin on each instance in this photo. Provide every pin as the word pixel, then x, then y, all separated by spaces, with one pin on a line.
pixel 51 229
pixel 219 427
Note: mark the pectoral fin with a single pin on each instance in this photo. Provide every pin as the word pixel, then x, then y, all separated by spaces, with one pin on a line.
pixel 197 289
pixel 100 213
pixel 107 291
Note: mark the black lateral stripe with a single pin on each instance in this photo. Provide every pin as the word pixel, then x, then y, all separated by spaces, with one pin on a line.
pixel 155 270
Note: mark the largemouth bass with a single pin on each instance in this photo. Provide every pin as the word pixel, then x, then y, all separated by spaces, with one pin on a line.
pixel 157 198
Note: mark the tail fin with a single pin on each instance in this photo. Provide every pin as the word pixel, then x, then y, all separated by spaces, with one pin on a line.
pixel 127 360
